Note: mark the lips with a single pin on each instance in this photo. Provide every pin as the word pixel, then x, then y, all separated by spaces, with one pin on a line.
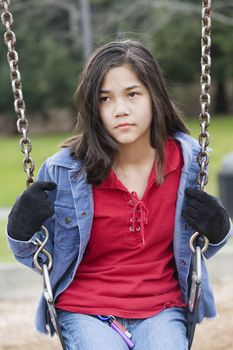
pixel 122 125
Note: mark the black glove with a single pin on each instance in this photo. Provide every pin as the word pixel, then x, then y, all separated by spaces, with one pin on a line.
pixel 30 211
pixel 206 215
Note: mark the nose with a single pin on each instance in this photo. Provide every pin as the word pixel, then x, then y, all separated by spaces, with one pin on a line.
pixel 121 109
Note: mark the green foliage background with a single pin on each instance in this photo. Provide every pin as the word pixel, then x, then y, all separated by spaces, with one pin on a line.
pixel 51 56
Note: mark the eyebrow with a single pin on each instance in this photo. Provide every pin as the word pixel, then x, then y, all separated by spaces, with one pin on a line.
pixel 127 89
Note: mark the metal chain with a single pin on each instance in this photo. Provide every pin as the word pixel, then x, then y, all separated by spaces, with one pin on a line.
pixel 204 117
pixel 28 163
pixel 203 160
pixel 19 104
pixel 22 122
pixel 205 81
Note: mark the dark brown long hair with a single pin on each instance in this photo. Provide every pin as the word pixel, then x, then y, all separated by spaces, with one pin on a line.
pixel 92 143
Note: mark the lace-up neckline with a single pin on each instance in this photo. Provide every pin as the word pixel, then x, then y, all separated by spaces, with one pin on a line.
pixel 139 216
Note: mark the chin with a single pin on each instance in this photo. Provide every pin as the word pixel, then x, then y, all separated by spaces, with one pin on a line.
pixel 125 141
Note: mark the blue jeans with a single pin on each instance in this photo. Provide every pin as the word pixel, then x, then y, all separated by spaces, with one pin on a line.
pixel 164 331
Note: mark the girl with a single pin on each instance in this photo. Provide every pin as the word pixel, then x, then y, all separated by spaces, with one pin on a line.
pixel 117 201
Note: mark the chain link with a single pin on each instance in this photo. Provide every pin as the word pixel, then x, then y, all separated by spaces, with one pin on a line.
pixel 19 104
pixel 205 82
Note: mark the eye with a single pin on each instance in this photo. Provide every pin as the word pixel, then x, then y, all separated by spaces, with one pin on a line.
pixel 104 99
pixel 133 94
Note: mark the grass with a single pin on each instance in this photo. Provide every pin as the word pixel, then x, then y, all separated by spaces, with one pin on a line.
pixel 221 135
pixel 12 177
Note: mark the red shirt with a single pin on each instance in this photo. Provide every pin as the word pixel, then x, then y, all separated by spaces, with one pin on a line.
pixel 128 268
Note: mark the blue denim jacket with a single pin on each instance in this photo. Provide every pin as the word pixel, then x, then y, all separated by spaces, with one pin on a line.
pixel 70 227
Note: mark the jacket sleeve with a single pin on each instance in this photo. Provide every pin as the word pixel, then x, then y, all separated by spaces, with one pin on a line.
pixel 214 248
pixel 24 251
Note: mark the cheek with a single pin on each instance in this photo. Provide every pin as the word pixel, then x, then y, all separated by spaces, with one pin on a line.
pixel 148 113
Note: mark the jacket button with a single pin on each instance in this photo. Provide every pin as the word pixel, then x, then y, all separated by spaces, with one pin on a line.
pixel 67 220
pixel 183 262
pixel 83 213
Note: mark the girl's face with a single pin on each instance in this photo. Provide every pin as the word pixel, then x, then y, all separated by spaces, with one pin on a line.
pixel 125 106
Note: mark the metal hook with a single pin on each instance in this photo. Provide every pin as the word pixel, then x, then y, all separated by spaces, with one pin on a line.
pixel 192 240
pixel 48 295
pixel 41 249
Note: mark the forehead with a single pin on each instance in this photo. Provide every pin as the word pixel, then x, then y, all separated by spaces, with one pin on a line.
pixel 122 76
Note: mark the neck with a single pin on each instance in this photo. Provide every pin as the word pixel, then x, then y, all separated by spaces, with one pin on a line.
pixel 134 155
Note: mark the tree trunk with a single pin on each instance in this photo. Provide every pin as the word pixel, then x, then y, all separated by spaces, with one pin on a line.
pixel 221 103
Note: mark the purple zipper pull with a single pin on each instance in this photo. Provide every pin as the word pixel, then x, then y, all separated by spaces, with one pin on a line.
pixel 117 326
pixel 125 335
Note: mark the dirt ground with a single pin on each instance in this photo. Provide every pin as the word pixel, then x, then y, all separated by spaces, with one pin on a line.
pixel 17 332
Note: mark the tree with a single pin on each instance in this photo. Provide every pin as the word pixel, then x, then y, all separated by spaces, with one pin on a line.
pixel 51 53
pixel 48 61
